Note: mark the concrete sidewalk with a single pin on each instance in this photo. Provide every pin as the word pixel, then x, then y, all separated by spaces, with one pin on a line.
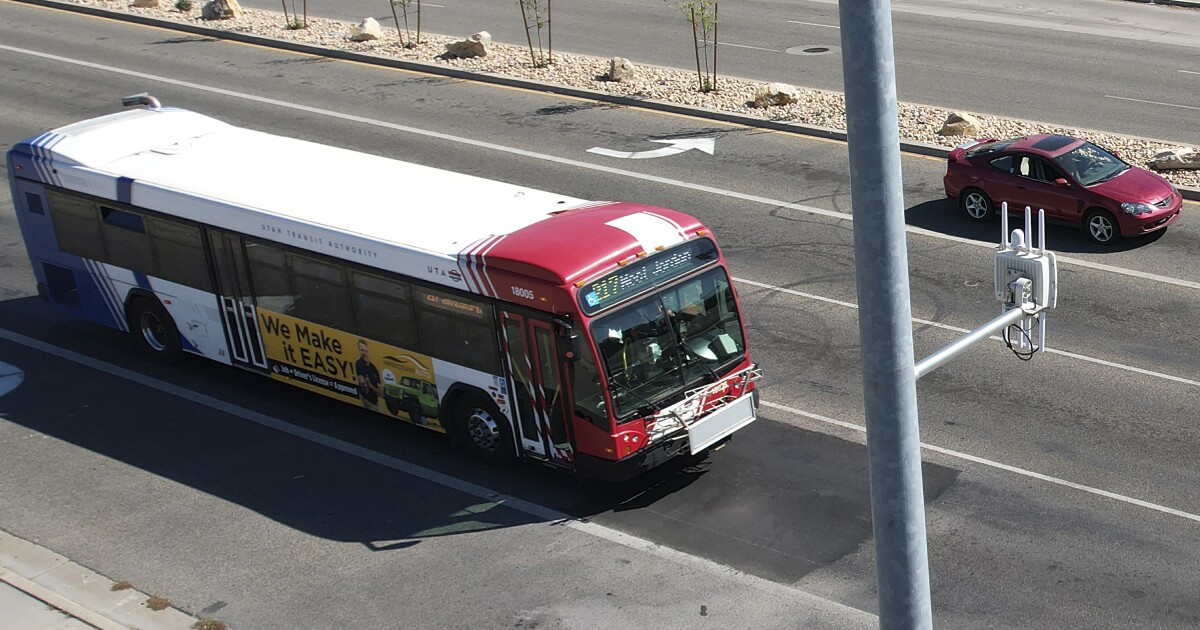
pixel 42 590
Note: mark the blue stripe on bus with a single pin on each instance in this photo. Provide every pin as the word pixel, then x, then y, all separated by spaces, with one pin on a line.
pixel 108 292
pixel 142 280
pixel 125 190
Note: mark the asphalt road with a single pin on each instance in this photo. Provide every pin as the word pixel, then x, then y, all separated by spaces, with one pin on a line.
pixel 1110 65
pixel 1102 535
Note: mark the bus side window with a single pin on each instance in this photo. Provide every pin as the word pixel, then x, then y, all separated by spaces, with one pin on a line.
pixel 269 277
pixel 126 241
pixel 383 310
pixel 179 250
pixel 76 225
pixel 321 292
pixel 458 329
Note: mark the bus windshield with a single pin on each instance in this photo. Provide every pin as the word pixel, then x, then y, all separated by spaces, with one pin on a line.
pixel 677 338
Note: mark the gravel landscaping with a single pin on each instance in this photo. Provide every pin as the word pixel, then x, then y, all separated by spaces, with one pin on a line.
pixel 918 123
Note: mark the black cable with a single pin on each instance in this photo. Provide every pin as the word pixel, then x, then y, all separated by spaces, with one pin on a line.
pixel 1022 355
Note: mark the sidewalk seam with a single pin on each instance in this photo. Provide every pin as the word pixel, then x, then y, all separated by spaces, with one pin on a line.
pixel 47 596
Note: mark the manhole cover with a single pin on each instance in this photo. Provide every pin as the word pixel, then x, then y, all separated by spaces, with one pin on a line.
pixel 811 50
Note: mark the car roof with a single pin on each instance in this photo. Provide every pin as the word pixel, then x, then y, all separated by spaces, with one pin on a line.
pixel 1046 144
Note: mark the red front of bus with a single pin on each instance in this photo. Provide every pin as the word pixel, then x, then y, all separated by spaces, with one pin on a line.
pixel 663 366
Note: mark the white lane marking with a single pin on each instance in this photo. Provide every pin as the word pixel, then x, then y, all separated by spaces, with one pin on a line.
pixel 766 201
pixel 813 24
pixel 1189 72
pixel 550 515
pixel 933 324
pixel 994 464
pixel 750 47
pixel 1083 25
pixel 1138 100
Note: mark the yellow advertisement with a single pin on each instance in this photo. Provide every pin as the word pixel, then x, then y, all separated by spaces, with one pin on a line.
pixel 379 377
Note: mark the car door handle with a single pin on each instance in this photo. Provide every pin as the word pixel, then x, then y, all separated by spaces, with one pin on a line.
pixel 1020 187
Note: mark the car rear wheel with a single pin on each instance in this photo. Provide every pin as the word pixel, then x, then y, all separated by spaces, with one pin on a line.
pixel 976 204
pixel 1101 227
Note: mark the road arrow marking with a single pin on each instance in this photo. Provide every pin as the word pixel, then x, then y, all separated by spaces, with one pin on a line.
pixel 678 145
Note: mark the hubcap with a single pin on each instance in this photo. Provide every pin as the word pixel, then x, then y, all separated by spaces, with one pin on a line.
pixel 1102 228
pixel 484 431
pixel 153 331
pixel 976 206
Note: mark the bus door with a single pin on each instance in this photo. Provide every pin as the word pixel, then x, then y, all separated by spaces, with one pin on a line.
pixel 236 300
pixel 538 396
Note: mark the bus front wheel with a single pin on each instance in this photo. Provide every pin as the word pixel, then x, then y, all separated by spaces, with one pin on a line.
pixel 153 330
pixel 485 430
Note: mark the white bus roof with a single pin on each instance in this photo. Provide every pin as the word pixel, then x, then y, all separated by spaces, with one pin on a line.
pixel 354 193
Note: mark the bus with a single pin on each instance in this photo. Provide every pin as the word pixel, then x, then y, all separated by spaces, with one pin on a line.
pixel 601 338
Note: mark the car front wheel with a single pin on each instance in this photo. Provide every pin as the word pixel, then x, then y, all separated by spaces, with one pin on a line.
pixel 1101 227
pixel 976 204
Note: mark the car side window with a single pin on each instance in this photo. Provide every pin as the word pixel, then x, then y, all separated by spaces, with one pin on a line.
pixel 1025 167
pixel 1004 163
pixel 1047 172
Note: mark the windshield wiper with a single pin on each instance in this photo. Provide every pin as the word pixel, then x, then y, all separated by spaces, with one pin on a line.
pixel 626 387
pixel 673 324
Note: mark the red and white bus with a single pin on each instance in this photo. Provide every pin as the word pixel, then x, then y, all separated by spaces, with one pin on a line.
pixel 603 338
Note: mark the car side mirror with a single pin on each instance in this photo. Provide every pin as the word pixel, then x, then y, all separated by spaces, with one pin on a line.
pixel 1062 182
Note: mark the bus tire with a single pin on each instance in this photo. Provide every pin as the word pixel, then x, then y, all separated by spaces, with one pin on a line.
pixel 153 330
pixel 485 430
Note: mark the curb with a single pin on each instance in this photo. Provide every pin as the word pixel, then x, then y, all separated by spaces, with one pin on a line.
pixel 79 591
pixel 918 148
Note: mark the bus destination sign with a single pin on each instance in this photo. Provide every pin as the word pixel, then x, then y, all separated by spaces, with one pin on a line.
pixel 646 273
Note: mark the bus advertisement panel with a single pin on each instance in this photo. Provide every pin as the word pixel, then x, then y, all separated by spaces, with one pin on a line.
pixel 377 376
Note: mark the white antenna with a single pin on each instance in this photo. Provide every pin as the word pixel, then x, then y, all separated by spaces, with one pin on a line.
pixel 1028 230
pixel 1004 225
pixel 1042 232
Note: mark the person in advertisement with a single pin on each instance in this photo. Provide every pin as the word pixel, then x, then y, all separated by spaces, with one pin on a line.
pixel 370 387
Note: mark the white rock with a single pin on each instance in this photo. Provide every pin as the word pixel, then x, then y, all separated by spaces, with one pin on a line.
pixel 961 124
pixel 1177 158
pixel 366 30
pixel 221 10
pixel 621 69
pixel 770 94
pixel 477 45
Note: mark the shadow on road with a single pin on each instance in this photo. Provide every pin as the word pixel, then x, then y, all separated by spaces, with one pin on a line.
pixel 777 502
pixel 943 216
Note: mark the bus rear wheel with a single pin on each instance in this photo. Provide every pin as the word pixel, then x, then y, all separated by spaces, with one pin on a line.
pixel 486 432
pixel 153 330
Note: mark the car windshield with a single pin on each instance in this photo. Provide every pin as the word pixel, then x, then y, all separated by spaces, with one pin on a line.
pixel 1089 164
pixel 679 337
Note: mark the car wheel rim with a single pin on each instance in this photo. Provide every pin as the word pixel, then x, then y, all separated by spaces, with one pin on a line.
pixel 484 431
pixel 153 331
pixel 976 206
pixel 1102 229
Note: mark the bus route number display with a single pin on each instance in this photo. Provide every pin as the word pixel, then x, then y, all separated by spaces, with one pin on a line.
pixel 646 273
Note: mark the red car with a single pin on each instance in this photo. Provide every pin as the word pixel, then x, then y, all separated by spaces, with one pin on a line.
pixel 1075 181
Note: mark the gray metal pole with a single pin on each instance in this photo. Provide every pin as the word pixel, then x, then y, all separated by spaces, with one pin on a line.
pixel 885 315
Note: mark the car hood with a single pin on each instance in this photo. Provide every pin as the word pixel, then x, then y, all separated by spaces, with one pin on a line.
pixel 1135 185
